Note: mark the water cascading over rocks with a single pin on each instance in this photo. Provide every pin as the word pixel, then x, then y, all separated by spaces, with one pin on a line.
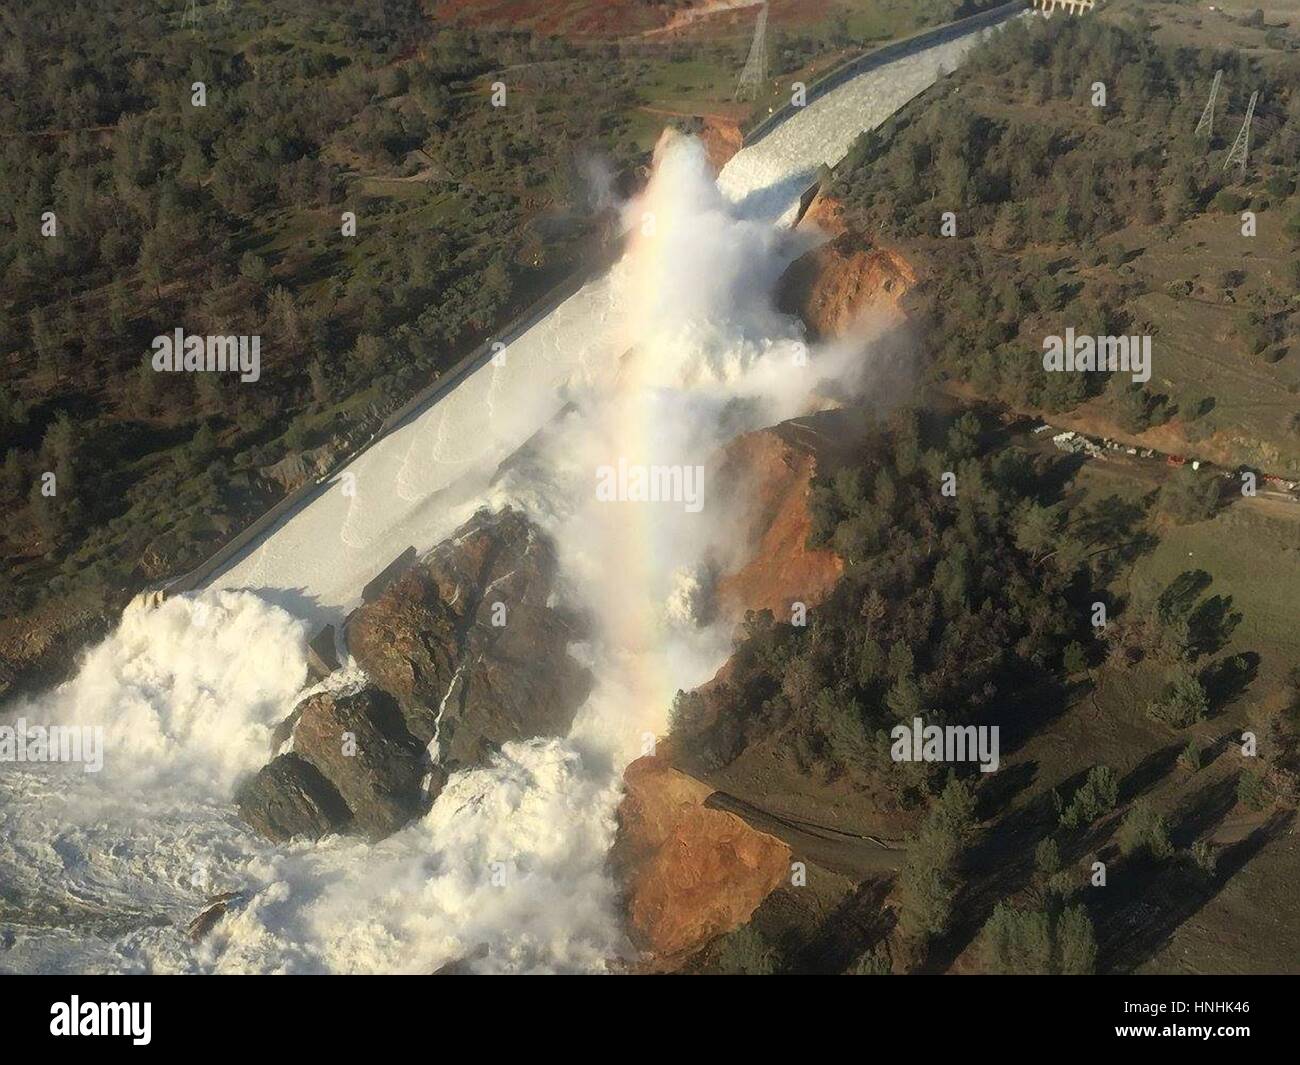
pixel 464 652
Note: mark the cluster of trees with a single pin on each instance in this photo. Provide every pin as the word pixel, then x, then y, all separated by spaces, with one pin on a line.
pixel 1040 180
pixel 1189 496
pixel 1273 775
pixel 226 219
pixel 929 881
pixel 1093 799
pixel 1179 630
pixel 1052 939
pixel 947 610
pixel 1048 930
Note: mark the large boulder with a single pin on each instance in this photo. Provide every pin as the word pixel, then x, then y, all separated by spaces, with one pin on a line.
pixel 470 644
pixel 360 744
pixel 290 797
pixel 351 766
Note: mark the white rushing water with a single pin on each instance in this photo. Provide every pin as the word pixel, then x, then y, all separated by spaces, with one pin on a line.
pixel 102 871
pixel 416 485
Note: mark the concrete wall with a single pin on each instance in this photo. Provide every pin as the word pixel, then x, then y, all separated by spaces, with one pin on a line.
pixel 262 526
pixel 889 53
pixel 238 545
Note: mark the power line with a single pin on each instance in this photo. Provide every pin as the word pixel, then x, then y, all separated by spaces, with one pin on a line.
pixel 1240 150
pixel 1207 116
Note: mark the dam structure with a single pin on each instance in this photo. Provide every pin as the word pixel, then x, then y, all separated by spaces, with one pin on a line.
pixel 415 484
pixel 118 871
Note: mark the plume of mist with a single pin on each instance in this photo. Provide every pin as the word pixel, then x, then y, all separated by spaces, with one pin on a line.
pixel 598 182
pixel 508 867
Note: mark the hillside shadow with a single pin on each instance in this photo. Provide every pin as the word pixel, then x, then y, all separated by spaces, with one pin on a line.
pixel 998 865
pixel 1204 811
pixel 1150 770
pixel 1144 905
pixel 855 926
pixel 1035 707
pixel 996 791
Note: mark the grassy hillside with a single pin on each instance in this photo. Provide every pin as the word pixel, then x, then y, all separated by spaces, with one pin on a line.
pixel 1081 196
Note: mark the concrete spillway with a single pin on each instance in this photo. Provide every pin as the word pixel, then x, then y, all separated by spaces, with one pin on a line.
pixel 413 486
pixel 102 872
pixel 766 178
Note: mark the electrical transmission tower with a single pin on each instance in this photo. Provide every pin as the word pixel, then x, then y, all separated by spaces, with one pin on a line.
pixel 1207 116
pixel 754 75
pixel 1240 150
pixel 190 17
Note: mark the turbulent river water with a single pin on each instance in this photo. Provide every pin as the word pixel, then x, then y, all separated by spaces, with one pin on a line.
pixel 661 361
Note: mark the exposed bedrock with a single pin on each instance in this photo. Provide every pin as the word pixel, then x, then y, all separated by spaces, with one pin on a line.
pixel 470 644
pixel 689 873
pixel 773 469
pixel 464 652
pixel 833 286
pixel 353 766
pixel 291 797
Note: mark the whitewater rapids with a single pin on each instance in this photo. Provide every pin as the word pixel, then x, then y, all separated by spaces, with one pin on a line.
pixel 102 872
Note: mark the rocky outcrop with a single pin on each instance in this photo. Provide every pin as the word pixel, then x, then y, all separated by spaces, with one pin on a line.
pixel 41 648
pixel 470 645
pixel 299 467
pixel 360 744
pixel 464 652
pixel 826 213
pixel 352 766
pixel 290 797
pixel 218 906
pixel 834 285
pixel 689 873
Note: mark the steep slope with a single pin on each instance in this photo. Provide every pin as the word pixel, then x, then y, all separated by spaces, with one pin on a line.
pixel 463 653
pixel 775 467
pixel 832 286
pixel 690 873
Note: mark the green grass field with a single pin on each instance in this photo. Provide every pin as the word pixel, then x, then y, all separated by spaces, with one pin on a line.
pixel 1251 552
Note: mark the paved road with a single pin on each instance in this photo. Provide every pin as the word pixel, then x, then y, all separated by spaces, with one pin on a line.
pixel 842 852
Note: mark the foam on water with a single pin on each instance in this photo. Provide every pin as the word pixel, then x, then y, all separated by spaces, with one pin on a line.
pixel 102 872
pixel 508 867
